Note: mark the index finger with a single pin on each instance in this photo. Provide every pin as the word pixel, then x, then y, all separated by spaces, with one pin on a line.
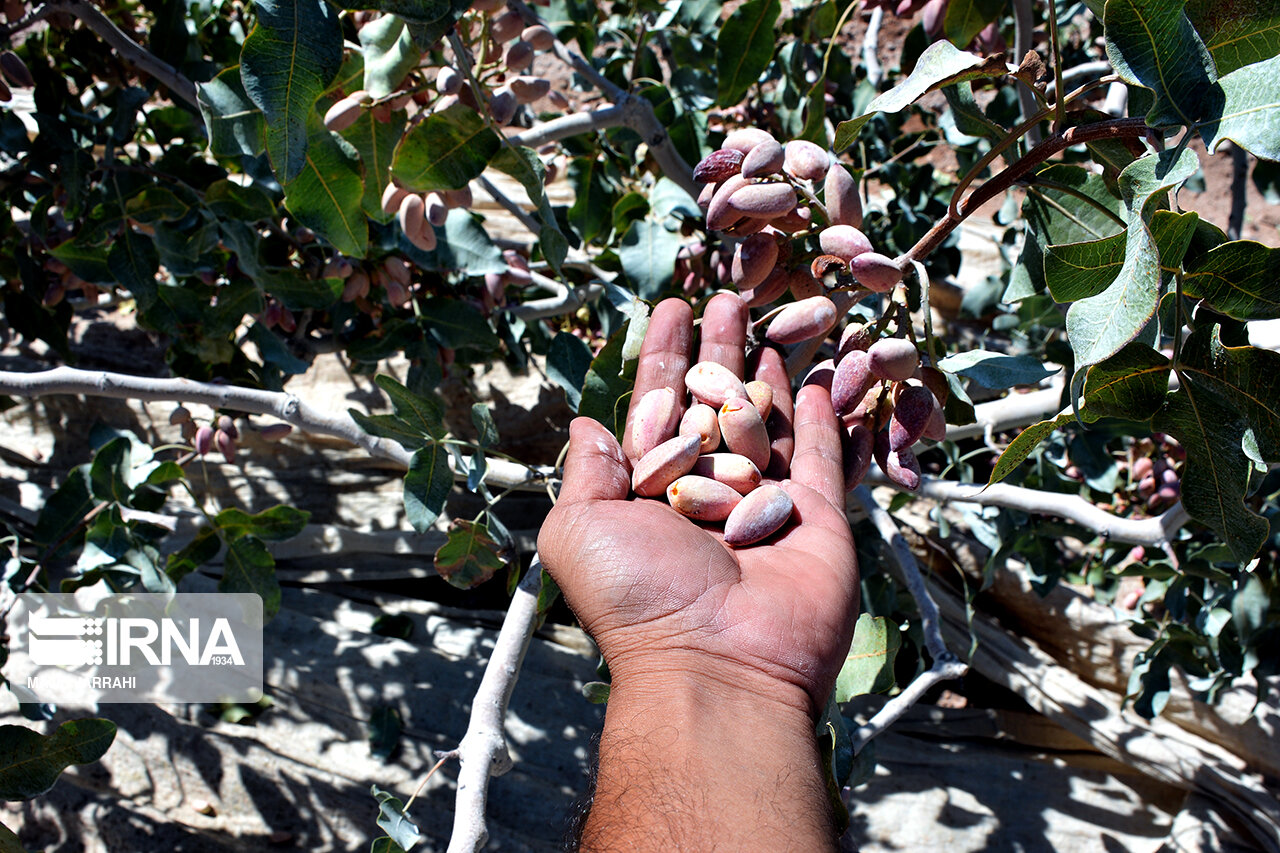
pixel 664 357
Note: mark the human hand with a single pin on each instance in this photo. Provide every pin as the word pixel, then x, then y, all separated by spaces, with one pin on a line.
pixel 664 596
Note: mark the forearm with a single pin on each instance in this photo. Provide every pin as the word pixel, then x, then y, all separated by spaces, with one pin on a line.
pixel 691 763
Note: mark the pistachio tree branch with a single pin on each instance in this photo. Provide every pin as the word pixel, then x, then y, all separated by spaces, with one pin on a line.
pixel 565 301
pixel 482 752
pixel 1112 129
pixel 128 49
pixel 871 48
pixel 287 407
pixel 945 664
pixel 572 124
pixel 1158 531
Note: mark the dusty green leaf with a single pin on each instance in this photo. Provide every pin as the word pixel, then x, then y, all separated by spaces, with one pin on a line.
pixel 248 566
pixel 648 255
pixel 393 820
pixel 1098 326
pixel 1152 44
pixel 389 54
pixel 606 387
pixel 276 524
pixel 1240 279
pixel 744 47
pixel 288 59
pixel 375 142
pixel 1244 107
pixel 445 151
pixel 30 762
pixel 427 486
pixel 1131 384
pixel 995 369
pixel 966 18
pixel 568 361
pixel 469 557
pixel 424 415
pixel 1245 378
pixel 868 668
pixel 326 193
pixel 1238 33
pixel 1020 448
pixel 234 123
pixel 940 65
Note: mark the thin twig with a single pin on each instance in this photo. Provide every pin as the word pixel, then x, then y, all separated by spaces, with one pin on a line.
pixel 565 301
pixel 482 753
pixel 897 707
pixel 1113 129
pixel 504 201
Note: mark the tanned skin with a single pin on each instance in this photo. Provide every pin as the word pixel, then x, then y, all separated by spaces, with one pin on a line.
pixel 721 659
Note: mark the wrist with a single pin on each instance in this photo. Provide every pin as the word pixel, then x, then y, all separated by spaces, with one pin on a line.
pixel 687 751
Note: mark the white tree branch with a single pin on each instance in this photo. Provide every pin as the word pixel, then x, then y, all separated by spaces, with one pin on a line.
pixel 945 664
pixel 565 301
pixel 482 753
pixel 288 408
pixel 871 48
pixel 1010 412
pixel 1155 532
pixel 569 125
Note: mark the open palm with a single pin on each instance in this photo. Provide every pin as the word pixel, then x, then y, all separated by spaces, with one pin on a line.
pixel 657 590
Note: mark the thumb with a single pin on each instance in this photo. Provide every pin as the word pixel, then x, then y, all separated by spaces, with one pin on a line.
pixel 595 468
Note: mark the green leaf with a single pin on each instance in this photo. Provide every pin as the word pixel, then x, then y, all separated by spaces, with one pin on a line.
pixel 1098 326
pixel 1020 448
pixel 744 47
pixel 327 191
pixel 385 845
pixel 486 429
pixel 109 471
pixel 526 166
pixel 389 426
pixel 276 524
pixel 427 486
pixel 9 842
pixel 235 125
pixel 288 59
pixel 996 370
pixel 156 204
pixel 200 550
pixel 425 415
pixel 65 509
pixel 389 55
pixel 966 18
pixel 568 361
pixel 469 557
pixel 606 385
pixel 1239 33
pixel 134 262
pixel 1075 271
pixel 1151 43
pixel 596 692
pixel 249 567
pixel 941 64
pixel 30 762
pixel 1240 279
pixel 1131 384
pixel 592 197
pixel 1245 378
pixel 868 668
pixel 87 261
pixel 648 255
pixel 1245 107
pixel 464 246
pixel 456 324
pixel 445 151
pixel 393 820
pixel 229 200
pixel 385 726
pixel 375 142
